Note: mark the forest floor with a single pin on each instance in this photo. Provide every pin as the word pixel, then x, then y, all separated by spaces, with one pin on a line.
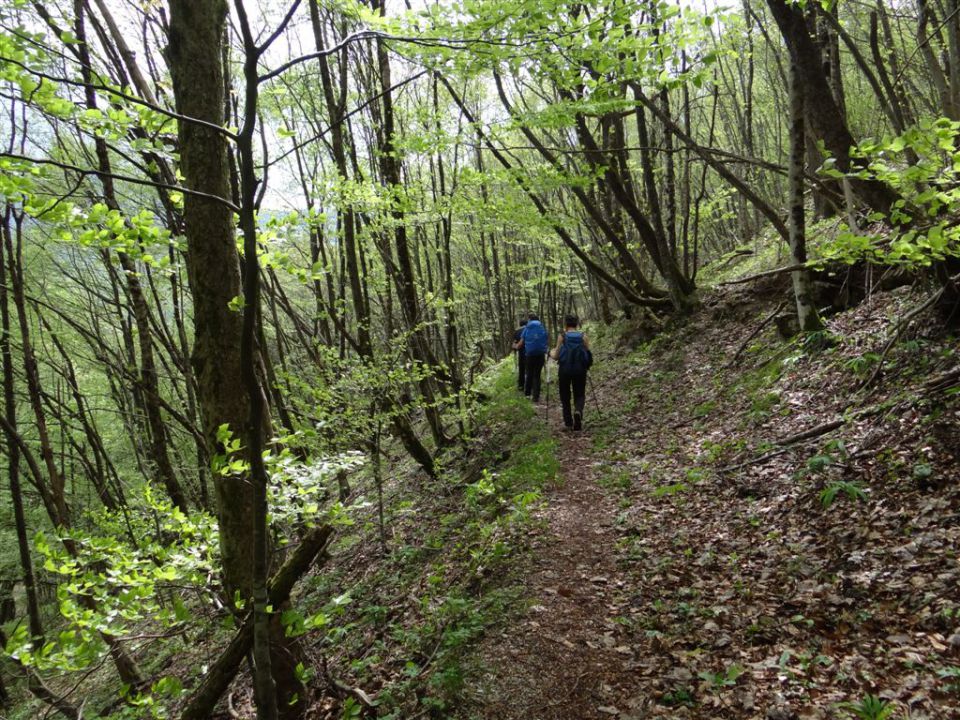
pixel 750 529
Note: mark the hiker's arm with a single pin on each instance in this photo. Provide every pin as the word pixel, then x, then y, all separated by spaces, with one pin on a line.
pixel 555 353
pixel 586 342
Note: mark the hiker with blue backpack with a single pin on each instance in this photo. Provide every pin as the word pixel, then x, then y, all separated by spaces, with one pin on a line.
pixel 534 343
pixel 573 358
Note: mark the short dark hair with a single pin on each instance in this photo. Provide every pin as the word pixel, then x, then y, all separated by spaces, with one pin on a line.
pixel 532 316
pixel 571 321
pixel 523 322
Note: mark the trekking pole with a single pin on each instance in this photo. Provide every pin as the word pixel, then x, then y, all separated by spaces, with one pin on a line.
pixel 546 404
pixel 593 391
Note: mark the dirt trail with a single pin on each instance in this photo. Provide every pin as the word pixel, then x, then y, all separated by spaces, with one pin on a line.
pixel 563 660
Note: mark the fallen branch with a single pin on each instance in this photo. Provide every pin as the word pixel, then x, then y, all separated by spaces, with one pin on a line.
pixel 902 325
pixel 809 434
pixel 751 336
pixel 815 431
pixel 765 273
pixel 734 255
pixel 218 678
pixel 354 692
pixel 787 443
pixel 943 381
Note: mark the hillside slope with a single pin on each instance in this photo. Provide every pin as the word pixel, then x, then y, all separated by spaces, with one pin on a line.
pixel 771 533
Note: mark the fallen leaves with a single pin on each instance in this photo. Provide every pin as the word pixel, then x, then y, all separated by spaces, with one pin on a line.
pixel 742 597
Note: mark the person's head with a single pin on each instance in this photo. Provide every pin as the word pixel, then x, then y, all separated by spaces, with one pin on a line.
pixel 533 316
pixel 523 322
pixel 571 322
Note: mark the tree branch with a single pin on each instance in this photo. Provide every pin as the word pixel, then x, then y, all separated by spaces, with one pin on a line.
pixel 115 176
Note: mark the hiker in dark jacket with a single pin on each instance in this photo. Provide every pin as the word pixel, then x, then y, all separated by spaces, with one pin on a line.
pixel 534 342
pixel 574 358
pixel 521 355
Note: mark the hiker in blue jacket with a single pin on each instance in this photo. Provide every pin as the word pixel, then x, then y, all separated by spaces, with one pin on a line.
pixel 534 342
pixel 574 358
pixel 521 356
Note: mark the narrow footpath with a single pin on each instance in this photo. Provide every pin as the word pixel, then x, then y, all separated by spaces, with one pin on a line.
pixel 564 658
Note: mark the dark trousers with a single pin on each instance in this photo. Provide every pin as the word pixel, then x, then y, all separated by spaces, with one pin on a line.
pixel 521 370
pixel 531 387
pixel 577 383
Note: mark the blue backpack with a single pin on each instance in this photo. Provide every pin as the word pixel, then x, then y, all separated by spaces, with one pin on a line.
pixel 535 338
pixel 574 358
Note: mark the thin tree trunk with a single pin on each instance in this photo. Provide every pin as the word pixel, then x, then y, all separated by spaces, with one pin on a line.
pixel 806 312
pixel 13 460
pixel 148 370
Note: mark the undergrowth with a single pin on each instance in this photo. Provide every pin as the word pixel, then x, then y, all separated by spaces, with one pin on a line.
pixel 445 577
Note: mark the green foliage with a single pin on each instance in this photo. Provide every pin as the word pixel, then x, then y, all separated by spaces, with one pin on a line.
pixel 870 707
pixel 951 677
pixel 153 566
pixel 130 582
pixel 459 540
pixel 832 455
pixel 862 365
pixel 670 490
pixel 851 490
pixel 352 710
pixel 723 679
pixel 762 405
pixel 300 490
pixel 619 478
pixel 817 341
pixel 704 408
pixel 680 697
pixel 930 196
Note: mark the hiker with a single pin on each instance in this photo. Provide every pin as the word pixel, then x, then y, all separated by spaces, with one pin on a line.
pixel 521 355
pixel 574 358
pixel 534 342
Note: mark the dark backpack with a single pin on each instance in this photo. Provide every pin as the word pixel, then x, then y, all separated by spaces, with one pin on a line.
pixel 574 358
pixel 535 338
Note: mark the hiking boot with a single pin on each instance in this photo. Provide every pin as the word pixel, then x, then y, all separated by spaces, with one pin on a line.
pixel 577 421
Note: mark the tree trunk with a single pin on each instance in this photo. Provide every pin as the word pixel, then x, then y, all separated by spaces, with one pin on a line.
pixel 827 121
pixel 13 459
pixel 806 312
pixel 226 356
pixel 347 216
pixel 164 472
pixel 213 265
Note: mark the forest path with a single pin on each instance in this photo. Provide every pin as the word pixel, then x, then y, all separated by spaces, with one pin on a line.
pixel 562 659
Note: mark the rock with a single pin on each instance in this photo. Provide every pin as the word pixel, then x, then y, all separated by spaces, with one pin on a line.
pixel 781 712
pixel 787 325
pixel 954 642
